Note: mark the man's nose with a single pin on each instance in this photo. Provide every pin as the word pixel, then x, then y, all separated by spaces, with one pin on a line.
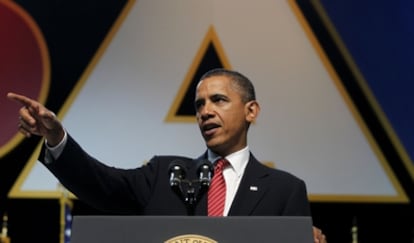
pixel 206 111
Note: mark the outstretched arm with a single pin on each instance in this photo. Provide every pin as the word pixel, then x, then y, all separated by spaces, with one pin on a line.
pixel 38 120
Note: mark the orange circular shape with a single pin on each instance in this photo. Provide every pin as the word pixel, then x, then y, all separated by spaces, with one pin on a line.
pixel 24 67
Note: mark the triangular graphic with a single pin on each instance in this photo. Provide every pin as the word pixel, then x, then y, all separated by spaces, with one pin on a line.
pixel 210 55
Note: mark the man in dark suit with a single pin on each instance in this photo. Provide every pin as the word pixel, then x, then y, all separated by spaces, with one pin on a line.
pixel 225 106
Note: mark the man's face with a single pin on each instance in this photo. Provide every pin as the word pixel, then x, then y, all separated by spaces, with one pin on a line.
pixel 221 115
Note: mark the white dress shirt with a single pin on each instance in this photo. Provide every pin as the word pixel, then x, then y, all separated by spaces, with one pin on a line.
pixel 232 173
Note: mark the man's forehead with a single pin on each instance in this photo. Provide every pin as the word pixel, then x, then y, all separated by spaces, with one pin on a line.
pixel 214 81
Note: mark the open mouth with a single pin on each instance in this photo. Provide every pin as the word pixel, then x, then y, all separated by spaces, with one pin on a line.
pixel 210 129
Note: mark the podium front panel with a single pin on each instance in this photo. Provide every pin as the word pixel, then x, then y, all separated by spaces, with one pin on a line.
pixel 191 229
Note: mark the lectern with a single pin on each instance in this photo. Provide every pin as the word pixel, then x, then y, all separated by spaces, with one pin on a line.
pixel 191 229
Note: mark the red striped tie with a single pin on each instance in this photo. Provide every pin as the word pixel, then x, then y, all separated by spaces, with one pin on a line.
pixel 217 191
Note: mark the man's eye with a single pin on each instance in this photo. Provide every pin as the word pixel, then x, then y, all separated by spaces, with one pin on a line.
pixel 219 99
pixel 197 105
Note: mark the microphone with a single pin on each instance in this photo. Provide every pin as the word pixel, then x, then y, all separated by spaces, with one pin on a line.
pixel 177 173
pixel 190 191
pixel 205 170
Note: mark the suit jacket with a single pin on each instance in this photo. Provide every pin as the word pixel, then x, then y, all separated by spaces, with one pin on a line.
pixel 146 190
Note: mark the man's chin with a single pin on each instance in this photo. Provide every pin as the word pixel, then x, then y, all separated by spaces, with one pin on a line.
pixel 210 144
pixel 214 146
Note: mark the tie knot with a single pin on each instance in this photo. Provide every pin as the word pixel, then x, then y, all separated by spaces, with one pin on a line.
pixel 220 164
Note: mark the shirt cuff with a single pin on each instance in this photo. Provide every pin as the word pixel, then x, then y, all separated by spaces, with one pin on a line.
pixel 55 151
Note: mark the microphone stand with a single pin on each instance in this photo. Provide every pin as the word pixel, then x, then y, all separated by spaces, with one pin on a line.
pixel 190 191
pixel 194 190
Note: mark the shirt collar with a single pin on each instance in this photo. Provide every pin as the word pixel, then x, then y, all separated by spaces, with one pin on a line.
pixel 238 160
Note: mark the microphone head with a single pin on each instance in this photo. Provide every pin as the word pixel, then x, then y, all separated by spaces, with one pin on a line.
pixel 205 170
pixel 204 165
pixel 177 166
pixel 177 172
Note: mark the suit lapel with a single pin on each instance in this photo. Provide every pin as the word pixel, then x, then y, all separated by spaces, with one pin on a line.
pixel 251 190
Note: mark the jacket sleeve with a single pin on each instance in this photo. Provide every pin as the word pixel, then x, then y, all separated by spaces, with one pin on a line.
pixel 109 189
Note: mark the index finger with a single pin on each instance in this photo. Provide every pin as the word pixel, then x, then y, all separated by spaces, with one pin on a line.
pixel 25 101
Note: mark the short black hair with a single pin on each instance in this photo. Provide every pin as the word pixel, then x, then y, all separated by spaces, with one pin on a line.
pixel 241 82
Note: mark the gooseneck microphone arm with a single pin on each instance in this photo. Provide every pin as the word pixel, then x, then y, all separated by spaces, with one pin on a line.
pixel 190 191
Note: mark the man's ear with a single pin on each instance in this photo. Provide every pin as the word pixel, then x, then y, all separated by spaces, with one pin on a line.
pixel 252 110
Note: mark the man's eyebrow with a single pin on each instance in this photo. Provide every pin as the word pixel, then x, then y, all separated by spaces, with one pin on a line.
pixel 213 96
pixel 218 95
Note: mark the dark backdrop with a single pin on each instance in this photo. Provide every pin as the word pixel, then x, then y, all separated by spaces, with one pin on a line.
pixel 70 26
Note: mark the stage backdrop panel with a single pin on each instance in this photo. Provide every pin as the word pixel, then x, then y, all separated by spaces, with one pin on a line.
pixel 308 124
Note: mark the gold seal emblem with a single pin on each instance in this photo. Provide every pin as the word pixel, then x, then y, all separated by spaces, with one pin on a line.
pixel 190 239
